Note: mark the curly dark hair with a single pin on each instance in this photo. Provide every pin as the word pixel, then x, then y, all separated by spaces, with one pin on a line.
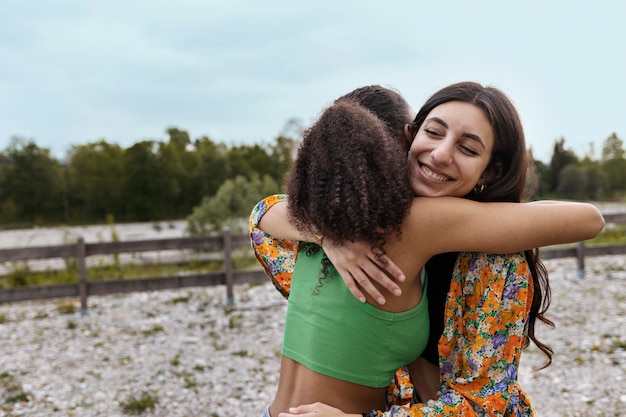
pixel 350 180
pixel 388 105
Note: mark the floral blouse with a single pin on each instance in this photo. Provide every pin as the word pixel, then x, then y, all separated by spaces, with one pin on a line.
pixel 486 325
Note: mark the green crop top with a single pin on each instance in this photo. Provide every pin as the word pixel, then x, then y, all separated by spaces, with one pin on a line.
pixel 331 332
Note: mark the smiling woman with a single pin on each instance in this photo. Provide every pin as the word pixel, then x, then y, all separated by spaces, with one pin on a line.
pixel 451 150
pixel 467 135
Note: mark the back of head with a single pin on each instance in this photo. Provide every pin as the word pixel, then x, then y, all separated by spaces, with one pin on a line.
pixel 506 173
pixel 388 105
pixel 350 179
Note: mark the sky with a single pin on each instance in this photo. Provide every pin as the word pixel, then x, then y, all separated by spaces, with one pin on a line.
pixel 73 72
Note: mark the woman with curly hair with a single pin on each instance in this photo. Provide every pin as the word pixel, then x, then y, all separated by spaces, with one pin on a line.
pixel 342 352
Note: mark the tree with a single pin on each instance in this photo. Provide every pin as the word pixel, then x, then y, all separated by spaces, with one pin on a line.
pixel 182 163
pixel 612 148
pixel 178 138
pixel 561 158
pixel 246 160
pixel 572 182
pixel 32 183
pixel 143 182
pixel 614 164
pixel 596 182
pixel 212 167
pixel 95 181
pixel 293 128
pixel 283 153
pixel 178 168
pixel 537 185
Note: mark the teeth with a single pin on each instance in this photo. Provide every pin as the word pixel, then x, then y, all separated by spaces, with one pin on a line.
pixel 432 174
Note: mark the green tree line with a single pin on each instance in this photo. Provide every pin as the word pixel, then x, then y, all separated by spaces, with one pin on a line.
pixel 148 181
pixel 569 176
pixel 210 183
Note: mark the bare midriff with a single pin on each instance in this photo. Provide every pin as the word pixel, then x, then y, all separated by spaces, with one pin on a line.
pixel 299 385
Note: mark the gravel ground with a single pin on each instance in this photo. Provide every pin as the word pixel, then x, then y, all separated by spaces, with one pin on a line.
pixel 184 353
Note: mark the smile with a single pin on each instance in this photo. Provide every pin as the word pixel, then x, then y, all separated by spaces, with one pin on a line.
pixel 430 174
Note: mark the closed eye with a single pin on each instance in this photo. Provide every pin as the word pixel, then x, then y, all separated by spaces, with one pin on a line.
pixel 432 132
pixel 468 150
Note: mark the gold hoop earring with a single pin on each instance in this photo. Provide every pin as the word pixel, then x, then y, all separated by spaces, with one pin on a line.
pixel 480 188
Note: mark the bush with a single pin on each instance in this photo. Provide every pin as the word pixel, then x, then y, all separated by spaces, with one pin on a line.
pixel 230 206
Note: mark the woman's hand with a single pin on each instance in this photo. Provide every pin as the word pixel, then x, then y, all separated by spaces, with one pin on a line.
pixel 316 410
pixel 359 267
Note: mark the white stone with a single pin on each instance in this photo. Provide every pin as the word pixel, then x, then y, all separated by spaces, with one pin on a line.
pixel 108 358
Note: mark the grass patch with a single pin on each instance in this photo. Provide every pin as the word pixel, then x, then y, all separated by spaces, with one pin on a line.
pixel 613 236
pixel 18 398
pixel 181 299
pixel 15 392
pixel 66 307
pixel 22 276
pixel 134 405
pixel 616 234
pixel 157 328
pixel 175 360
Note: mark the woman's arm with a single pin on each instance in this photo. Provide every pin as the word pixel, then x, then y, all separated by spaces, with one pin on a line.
pixel 275 221
pixel 274 238
pixel 277 256
pixel 449 224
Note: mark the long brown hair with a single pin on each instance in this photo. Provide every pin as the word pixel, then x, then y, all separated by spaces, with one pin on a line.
pixel 505 177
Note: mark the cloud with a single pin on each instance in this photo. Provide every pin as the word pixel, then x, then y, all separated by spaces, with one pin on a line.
pixel 239 70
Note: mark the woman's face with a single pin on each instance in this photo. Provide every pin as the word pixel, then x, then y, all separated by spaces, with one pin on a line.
pixel 451 150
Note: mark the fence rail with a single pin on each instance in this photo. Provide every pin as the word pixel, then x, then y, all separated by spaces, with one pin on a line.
pixel 229 277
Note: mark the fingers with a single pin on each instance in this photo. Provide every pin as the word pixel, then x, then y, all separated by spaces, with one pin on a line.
pixel 392 269
pixel 380 273
pixel 365 284
pixel 314 410
pixel 301 411
pixel 352 285
pixel 292 415
pixel 361 268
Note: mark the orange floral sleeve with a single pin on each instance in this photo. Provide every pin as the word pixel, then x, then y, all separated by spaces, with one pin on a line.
pixel 277 256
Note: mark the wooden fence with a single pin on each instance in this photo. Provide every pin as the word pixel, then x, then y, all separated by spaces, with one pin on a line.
pixel 224 244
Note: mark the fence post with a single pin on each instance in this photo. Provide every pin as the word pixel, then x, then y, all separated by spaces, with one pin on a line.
pixel 82 274
pixel 580 258
pixel 228 265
